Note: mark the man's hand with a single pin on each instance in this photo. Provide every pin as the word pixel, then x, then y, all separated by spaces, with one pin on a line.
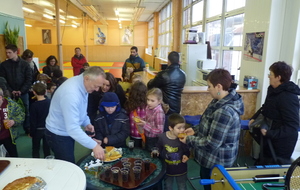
pixel 250 122
pixel 97 141
pixel 263 132
pixel 90 128
pixel 105 140
pixel 99 152
pixel 189 131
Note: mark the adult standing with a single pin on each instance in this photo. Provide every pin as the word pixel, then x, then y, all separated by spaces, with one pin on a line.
pixel 77 61
pixel 51 66
pixel 133 64
pixel 68 113
pixel 18 75
pixel 171 82
pixel 216 138
pixel 282 107
pixel 28 56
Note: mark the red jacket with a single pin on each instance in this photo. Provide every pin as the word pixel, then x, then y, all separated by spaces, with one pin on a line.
pixel 77 63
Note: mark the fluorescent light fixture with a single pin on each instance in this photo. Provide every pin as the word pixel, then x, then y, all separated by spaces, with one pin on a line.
pixel 119 20
pixel 74 22
pixel 61 21
pixel 46 3
pixel 48 11
pixel 47 16
pixel 117 12
pixel 29 25
pixel 61 11
pixel 28 10
pixel 74 26
pixel 62 17
pixel 71 17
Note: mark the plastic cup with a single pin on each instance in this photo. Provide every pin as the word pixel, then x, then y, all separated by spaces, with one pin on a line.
pixel 131 145
pixel 106 169
pixel 137 172
pixel 126 165
pixel 154 153
pixel 124 160
pixel 147 162
pixel 138 163
pixel 115 172
pixel 50 162
pixel 124 172
pixel 5 122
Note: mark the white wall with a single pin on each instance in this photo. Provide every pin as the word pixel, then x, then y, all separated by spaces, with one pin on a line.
pixel 279 19
pixel 12 7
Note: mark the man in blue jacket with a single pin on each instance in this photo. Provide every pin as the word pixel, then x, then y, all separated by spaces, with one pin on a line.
pixel 133 64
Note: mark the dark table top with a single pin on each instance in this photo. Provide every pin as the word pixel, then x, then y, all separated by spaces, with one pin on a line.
pixel 92 175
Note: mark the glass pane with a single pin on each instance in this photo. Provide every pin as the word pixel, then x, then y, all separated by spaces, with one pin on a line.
pixel 234 30
pixel 197 12
pixel 216 56
pixel 235 4
pixel 213 32
pixel 232 62
pixel 186 2
pixel 214 8
pixel 186 17
pixel 198 28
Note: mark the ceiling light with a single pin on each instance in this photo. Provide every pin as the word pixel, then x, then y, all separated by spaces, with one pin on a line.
pixel 47 16
pixel 61 21
pixel 45 3
pixel 71 17
pixel 74 26
pixel 61 11
pixel 29 25
pixel 117 12
pixel 28 10
pixel 119 20
pixel 62 17
pixel 48 11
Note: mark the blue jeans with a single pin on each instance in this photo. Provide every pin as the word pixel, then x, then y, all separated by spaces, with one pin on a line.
pixel 62 146
pixel 25 100
pixel 180 182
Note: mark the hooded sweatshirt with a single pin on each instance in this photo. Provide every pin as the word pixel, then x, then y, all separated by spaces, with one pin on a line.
pixel 216 138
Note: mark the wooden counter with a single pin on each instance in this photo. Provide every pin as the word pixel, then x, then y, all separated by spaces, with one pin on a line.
pixel 195 99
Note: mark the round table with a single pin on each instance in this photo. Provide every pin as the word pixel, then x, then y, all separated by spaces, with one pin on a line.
pixel 153 181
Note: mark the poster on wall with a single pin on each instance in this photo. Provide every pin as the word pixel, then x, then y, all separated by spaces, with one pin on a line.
pixel 254 45
pixel 100 34
pixel 46 36
pixel 126 35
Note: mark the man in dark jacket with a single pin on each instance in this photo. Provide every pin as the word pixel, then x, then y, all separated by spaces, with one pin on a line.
pixel 133 64
pixel 18 75
pixel 171 82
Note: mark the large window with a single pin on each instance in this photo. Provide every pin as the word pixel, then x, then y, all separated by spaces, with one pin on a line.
pixel 150 36
pixel 223 23
pixel 165 31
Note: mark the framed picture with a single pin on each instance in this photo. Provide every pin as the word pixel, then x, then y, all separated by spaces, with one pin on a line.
pixel 126 35
pixel 100 34
pixel 46 36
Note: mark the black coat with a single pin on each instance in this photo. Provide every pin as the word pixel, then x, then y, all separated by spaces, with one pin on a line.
pixel 116 133
pixel 18 75
pixel 282 106
pixel 171 82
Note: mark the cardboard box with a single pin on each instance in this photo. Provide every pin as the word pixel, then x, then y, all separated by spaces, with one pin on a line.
pixel 250 82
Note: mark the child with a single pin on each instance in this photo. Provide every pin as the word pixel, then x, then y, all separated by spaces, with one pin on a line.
pixel 38 113
pixel 50 89
pixel 174 152
pixel 136 107
pixel 155 118
pixel 112 123
pixel 85 66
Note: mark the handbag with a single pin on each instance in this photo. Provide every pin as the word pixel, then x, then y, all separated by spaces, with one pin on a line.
pixel 261 122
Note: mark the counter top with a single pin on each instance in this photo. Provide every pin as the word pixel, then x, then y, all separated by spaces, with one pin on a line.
pixel 148 75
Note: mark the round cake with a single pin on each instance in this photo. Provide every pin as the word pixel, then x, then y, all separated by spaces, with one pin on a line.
pixel 24 183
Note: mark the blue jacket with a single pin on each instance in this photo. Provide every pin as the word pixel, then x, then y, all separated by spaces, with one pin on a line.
pixel 67 113
pixel 117 132
pixel 138 64
pixel 216 138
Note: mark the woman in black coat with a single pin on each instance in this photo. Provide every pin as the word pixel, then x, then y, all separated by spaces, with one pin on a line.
pixel 282 107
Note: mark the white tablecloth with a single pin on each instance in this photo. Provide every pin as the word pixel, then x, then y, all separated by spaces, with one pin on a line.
pixel 64 175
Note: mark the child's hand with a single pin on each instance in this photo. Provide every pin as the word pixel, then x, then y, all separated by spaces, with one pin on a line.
pixel 189 131
pixel 184 159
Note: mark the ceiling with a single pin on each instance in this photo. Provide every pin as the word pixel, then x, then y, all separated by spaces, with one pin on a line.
pixel 98 10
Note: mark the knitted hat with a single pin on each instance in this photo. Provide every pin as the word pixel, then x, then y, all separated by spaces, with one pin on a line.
pixel 110 99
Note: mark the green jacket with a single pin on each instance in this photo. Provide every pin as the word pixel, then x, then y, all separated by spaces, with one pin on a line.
pixel 16 113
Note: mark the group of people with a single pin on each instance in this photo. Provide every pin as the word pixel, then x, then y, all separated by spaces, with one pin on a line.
pixel 93 109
